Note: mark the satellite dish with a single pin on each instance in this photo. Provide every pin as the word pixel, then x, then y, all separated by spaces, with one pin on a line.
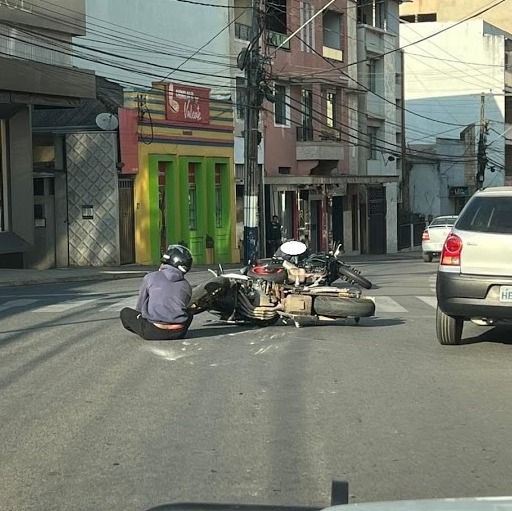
pixel 107 122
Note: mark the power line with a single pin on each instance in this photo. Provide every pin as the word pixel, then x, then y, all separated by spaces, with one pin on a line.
pixel 424 38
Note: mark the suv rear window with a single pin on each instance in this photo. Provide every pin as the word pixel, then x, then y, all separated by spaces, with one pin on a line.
pixel 487 214
pixel 443 221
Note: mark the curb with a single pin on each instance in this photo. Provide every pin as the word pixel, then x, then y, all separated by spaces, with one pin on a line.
pixel 76 278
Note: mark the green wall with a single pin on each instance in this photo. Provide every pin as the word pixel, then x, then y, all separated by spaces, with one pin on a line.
pixel 177 207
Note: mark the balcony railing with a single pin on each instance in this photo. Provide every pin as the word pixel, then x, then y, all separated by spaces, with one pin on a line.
pixel 243 32
pixel 276 39
pixel 304 134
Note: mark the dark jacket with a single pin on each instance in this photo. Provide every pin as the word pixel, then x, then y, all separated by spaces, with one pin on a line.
pixel 274 231
pixel 164 296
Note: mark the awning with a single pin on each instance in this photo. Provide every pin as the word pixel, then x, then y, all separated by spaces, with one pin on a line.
pixel 33 82
pixel 294 181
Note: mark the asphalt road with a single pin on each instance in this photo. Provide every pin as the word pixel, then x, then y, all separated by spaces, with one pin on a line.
pixel 92 418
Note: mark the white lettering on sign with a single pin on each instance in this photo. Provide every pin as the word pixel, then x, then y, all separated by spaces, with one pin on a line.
pixel 18 5
pixel 192 110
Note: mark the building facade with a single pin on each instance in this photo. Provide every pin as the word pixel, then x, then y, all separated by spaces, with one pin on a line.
pixel 442 175
pixel 35 72
pixel 448 89
pixel 183 171
pixel 424 11
pixel 333 137
pixel 380 124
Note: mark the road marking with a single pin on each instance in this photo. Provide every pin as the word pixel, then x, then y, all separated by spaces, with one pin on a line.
pixel 429 300
pixel 64 306
pixel 432 283
pixel 16 303
pixel 387 304
pixel 116 307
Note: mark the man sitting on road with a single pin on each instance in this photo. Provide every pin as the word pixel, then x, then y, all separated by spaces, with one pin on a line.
pixel 162 313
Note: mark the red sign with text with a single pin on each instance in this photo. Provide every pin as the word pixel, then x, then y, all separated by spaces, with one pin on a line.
pixel 188 105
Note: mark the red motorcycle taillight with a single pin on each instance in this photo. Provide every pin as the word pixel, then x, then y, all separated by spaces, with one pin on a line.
pixel 452 249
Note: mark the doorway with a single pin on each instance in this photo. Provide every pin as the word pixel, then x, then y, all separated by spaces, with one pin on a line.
pixel 126 222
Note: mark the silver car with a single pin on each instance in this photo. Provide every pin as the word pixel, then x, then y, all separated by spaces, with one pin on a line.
pixel 434 235
pixel 474 277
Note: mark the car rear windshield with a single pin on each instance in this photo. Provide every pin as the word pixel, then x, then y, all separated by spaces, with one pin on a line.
pixel 443 221
pixel 487 214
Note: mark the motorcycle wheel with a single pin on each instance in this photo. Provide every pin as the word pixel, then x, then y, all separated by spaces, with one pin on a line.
pixel 275 274
pixel 337 307
pixel 350 274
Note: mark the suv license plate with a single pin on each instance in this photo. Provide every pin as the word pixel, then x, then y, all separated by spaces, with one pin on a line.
pixel 505 293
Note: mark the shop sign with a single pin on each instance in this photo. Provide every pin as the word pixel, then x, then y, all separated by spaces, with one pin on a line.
pixel 459 191
pixel 189 105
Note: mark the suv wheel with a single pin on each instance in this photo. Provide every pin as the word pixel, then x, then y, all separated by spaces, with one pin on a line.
pixel 448 328
pixel 427 257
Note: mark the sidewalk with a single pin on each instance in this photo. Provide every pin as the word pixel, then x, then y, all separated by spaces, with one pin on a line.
pixel 9 277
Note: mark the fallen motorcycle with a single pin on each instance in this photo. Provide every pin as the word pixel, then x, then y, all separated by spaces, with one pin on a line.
pixel 327 267
pixel 285 291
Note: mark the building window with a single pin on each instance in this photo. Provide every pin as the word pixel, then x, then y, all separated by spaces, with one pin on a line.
pixel 419 18
pixel 427 18
pixel 307 42
pixel 281 108
pixel 409 18
pixel 380 14
pixel 241 97
pixel 332 30
pixel 372 75
pixel 331 109
pixel 372 12
pixel 372 143
pixel 218 195
pixel 307 108
pixel 284 170
pixel 276 16
pixel 39 186
pixel 192 197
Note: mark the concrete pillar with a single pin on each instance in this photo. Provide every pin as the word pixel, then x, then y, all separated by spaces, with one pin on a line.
pixel 391 217
pixel 20 174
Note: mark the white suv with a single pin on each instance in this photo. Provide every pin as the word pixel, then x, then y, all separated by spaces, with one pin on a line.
pixel 474 278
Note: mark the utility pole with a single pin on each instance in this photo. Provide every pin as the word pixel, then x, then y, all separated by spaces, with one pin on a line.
pixel 251 61
pixel 482 146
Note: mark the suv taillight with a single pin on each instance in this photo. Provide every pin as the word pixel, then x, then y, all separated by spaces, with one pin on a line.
pixel 425 236
pixel 452 249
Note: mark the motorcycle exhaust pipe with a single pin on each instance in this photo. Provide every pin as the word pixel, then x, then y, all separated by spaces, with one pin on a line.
pixel 258 312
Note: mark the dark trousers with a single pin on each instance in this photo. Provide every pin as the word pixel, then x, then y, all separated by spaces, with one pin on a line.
pixel 134 322
pixel 273 245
